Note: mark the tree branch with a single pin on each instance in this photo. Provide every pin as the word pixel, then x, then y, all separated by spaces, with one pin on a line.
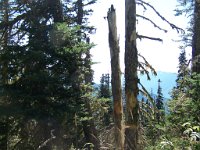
pixel 155 25
pixel 163 18
pixel 148 37
pixel 47 141
pixel 145 65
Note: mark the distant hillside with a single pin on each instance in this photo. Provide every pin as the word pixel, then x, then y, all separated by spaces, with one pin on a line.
pixel 168 81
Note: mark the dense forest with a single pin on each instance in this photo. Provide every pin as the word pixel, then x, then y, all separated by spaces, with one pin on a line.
pixel 49 101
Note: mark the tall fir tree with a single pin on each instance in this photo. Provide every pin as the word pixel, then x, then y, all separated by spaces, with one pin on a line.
pixel 160 103
pixel 43 58
pixel 104 88
pixel 104 92
pixel 182 67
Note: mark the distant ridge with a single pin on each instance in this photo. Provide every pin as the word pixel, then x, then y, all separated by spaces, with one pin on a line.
pixel 168 81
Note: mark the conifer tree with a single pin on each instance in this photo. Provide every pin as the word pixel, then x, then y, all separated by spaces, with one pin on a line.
pixel 81 20
pixel 183 71
pixel 104 92
pixel 41 74
pixel 191 37
pixel 160 103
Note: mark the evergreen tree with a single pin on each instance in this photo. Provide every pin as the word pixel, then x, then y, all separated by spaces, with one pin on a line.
pixel 38 82
pixel 183 70
pixel 104 89
pixel 159 98
pixel 104 92
pixel 84 74
pixel 160 103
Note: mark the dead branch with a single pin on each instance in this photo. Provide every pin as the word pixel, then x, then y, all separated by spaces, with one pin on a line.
pixel 148 65
pixel 163 18
pixel 47 141
pixel 148 37
pixel 154 24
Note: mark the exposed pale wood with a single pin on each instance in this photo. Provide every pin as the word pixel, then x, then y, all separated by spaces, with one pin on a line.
pixel 116 79
pixel 131 78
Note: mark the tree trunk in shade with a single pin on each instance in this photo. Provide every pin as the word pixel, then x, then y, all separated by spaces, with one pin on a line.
pixel 131 78
pixel 116 79
pixel 196 39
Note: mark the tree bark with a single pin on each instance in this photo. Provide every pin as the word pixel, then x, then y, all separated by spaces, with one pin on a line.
pixel 116 79
pixel 56 9
pixel 131 78
pixel 196 39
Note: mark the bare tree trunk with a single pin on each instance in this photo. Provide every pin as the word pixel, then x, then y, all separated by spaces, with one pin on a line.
pixel 116 79
pixel 196 39
pixel 131 78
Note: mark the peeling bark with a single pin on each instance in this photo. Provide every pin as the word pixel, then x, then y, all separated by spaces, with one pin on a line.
pixel 116 79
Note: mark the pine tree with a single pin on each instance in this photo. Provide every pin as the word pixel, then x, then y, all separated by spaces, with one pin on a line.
pixel 41 74
pixel 183 70
pixel 84 75
pixel 104 89
pixel 160 103
pixel 191 37
pixel 104 92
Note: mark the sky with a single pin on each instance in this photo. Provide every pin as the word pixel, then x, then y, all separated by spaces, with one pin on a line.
pixel 163 56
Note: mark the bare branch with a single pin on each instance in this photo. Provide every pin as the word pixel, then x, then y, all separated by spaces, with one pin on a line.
pixel 155 25
pixel 148 95
pixel 163 18
pixel 47 141
pixel 150 38
pixel 139 3
pixel 144 70
pixel 145 65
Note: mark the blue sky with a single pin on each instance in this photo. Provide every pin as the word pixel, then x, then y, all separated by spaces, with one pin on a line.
pixel 163 56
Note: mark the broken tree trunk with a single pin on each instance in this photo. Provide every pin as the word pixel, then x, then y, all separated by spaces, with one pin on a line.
pixel 116 79
pixel 131 78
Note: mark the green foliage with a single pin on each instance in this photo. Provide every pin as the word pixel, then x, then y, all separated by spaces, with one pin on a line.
pixel 105 94
pixel 181 129
pixel 192 132
pixel 43 69
pixel 183 71
pixel 104 89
